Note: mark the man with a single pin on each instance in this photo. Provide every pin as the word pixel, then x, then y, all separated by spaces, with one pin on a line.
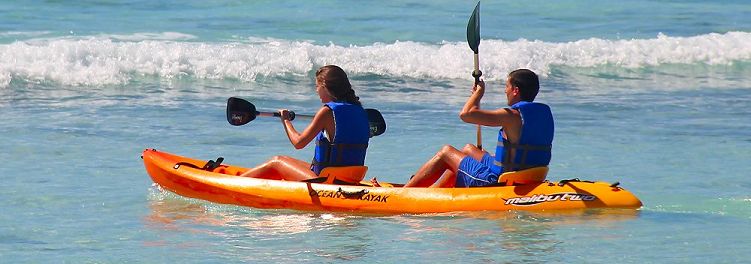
pixel 524 140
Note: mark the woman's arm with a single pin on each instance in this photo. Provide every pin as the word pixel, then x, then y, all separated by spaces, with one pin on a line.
pixel 324 119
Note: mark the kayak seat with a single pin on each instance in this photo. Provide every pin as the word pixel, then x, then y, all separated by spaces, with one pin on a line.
pixel 532 175
pixel 343 175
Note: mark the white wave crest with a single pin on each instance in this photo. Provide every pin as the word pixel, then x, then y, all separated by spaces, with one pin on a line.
pixel 23 34
pixel 116 59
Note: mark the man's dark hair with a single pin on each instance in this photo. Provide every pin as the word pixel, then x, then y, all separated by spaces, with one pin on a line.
pixel 528 83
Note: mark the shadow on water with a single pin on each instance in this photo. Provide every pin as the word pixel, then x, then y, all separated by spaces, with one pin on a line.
pixel 282 235
pixel 512 235
pixel 312 236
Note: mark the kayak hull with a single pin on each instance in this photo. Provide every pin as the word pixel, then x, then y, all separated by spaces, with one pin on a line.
pixel 222 185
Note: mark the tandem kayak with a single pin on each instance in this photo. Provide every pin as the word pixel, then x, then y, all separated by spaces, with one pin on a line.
pixel 221 184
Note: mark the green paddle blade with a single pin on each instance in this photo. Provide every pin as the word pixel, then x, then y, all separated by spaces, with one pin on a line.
pixel 473 29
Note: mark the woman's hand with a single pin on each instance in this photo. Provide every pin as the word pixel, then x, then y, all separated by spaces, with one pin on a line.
pixel 284 114
pixel 324 119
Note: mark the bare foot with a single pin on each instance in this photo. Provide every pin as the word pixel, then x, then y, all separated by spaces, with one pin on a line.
pixel 375 183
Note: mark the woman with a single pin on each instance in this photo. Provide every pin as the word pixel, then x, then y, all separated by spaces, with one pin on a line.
pixel 340 129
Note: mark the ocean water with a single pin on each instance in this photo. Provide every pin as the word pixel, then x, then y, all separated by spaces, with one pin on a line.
pixel 653 94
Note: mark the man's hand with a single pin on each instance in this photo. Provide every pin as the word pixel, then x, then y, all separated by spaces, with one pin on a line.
pixel 479 87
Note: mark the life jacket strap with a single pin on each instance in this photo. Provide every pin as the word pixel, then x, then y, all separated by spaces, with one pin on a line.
pixel 340 147
pixel 508 147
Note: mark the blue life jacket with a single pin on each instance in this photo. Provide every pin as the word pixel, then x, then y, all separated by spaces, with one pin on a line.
pixel 535 141
pixel 351 136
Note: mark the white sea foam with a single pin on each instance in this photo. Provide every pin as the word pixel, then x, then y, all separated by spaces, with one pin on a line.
pixel 152 36
pixel 25 34
pixel 117 59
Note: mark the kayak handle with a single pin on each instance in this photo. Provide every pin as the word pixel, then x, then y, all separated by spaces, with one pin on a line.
pixel 352 194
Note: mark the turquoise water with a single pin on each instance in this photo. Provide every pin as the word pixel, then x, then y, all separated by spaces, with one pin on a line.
pixel 653 94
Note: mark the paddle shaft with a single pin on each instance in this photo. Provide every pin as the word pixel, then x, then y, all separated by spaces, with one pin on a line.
pixel 477 73
pixel 241 112
pixel 277 114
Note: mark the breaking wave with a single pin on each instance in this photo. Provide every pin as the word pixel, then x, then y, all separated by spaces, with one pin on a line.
pixel 118 59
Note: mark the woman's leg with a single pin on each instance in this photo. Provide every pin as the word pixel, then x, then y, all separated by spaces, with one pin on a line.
pixel 448 158
pixel 282 168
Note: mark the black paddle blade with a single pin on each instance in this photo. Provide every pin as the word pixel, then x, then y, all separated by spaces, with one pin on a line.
pixel 239 111
pixel 376 122
pixel 473 29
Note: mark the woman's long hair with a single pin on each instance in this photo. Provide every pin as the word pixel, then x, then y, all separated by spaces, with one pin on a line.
pixel 335 80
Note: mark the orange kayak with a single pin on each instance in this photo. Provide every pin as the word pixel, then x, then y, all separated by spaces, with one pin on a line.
pixel 186 177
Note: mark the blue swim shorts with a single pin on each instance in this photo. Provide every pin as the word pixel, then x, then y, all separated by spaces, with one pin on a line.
pixel 473 173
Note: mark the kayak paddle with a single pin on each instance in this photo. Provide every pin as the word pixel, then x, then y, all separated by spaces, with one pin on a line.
pixel 241 112
pixel 473 38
